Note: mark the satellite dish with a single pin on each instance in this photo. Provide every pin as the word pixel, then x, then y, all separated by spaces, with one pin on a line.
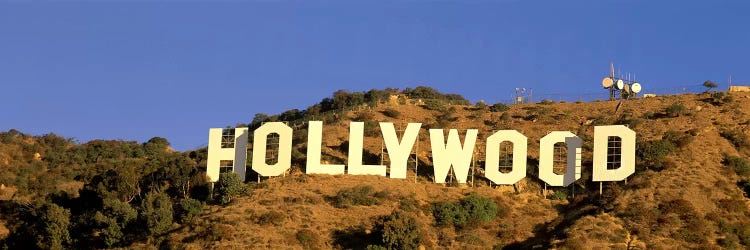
pixel 636 88
pixel 607 82
pixel 619 84
pixel 627 88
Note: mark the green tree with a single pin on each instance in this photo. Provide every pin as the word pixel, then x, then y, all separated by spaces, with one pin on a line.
pixel 653 152
pixel 156 212
pixel 479 208
pixel 400 231
pixel 228 186
pixel 341 99
pixel 709 84
pixel 111 222
pixel 55 222
pixel 188 209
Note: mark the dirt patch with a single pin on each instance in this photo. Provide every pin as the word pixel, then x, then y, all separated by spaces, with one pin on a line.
pixel 3 230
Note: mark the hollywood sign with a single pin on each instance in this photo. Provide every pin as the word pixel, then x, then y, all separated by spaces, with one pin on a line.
pixel 229 151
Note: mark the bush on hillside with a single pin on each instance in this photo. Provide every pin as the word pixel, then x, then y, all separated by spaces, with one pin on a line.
pixel 355 196
pixel 547 102
pixel 472 209
pixel 307 238
pixel 740 165
pixel 449 213
pixel 228 187
pixel 558 195
pixel 736 137
pixel 652 153
pixel 187 210
pixel 480 105
pixel 480 208
pixel 424 92
pixel 720 98
pixel 156 212
pixel 392 113
pixel 676 110
pixel 505 116
pixel 499 107
pixel 275 218
pixel 679 139
pixel 437 105
pixel 399 231
pixel 55 223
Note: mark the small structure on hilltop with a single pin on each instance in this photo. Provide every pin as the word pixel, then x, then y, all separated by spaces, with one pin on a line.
pixel 739 88
pixel 522 96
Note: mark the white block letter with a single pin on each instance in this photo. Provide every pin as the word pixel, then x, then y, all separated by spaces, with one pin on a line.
pixel 356 138
pixel 547 154
pixel 399 152
pixel 314 140
pixel 236 151
pixel 260 147
pixel 452 153
pixel 492 162
pixel 627 153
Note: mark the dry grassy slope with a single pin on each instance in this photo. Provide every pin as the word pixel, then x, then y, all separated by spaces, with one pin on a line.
pixel 697 176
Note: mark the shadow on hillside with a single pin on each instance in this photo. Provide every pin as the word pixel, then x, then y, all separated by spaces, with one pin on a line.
pixel 355 238
pixel 545 233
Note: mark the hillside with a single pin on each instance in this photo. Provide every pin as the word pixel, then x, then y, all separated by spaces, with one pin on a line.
pixel 689 189
pixel 687 198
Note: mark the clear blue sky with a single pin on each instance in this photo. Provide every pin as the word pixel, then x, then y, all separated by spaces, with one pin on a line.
pixel 134 70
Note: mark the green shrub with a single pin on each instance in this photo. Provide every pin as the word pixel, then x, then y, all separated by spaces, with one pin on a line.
pixel 558 195
pixel 55 221
pixel 677 138
pixel 402 100
pixel 472 209
pixel 400 231
pixel 470 239
pixel 649 115
pixel 627 118
pixel 499 107
pixel 275 218
pixel 652 153
pixel 364 117
pixel 546 102
pixel 676 110
pixel 355 196
pixel 505 116
pixel 156 212
pixel 740 165
pixel 392 113
pixel 479 208
pixel 307 238
pixel 480 105
pixel 434 105
pixel 408 204
pixel 736 137
pixel 188 209
pixel 228 186
pixel 720 98
pixel 449 213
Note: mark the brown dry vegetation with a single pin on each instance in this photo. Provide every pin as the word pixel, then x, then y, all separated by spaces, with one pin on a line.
pixel 691 200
